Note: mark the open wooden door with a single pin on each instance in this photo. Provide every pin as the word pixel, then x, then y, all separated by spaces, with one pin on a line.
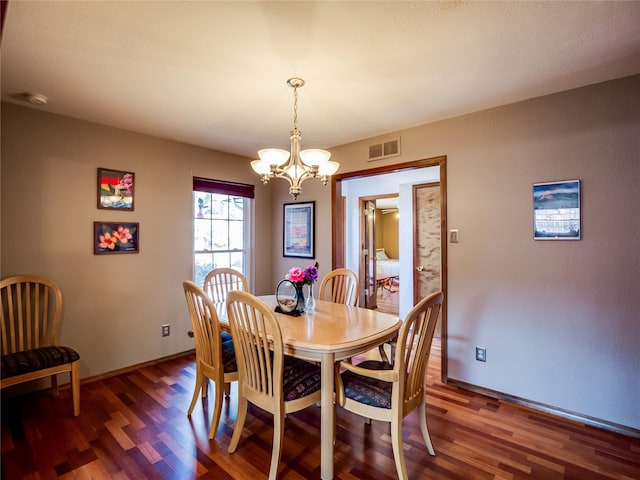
pixel 428 239
pixel 367 272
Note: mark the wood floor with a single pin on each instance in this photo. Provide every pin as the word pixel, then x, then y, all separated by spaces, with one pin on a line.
pixel 387 300
pixel 135 426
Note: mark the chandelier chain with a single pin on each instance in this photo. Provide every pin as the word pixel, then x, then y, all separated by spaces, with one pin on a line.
pixel 295 108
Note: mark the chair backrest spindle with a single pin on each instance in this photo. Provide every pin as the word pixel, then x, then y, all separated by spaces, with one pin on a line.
pixel 31 312
pixel 221 281
pixel 340 286
pixel 414 346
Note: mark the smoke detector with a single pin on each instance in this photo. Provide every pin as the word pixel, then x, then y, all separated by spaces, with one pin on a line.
pixel 36 98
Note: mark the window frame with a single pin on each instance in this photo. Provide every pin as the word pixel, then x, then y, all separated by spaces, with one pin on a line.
pixel 231 190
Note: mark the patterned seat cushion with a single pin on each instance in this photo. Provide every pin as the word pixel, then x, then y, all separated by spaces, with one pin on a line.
pixel 300 378
pixel 228 353
pixel 36 359
pixel 368 391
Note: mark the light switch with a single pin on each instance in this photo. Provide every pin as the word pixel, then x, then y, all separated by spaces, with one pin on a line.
pixel 454 236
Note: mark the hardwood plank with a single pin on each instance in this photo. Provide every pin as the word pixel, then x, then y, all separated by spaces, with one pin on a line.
pixel 134 425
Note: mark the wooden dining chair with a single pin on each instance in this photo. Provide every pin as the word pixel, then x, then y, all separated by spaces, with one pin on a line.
pixel 215 356
pixel 29 324
pixel 269 379
pixel 221 281
pixel 379 390
pixel 340 286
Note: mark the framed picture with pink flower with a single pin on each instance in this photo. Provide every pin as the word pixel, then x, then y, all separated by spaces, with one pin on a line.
pixel 115 189
pixel 116 237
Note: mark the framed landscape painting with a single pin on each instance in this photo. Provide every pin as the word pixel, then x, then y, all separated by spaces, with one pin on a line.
pixel 115 189
pixel 556 210
pixel 299 230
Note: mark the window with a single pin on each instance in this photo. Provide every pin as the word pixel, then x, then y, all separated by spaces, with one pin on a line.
pixel 221 226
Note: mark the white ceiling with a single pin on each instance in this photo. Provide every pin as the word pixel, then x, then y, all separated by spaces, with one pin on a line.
pixel 214 73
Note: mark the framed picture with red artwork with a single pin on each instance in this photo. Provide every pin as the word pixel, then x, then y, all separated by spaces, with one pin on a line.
pixel 115 189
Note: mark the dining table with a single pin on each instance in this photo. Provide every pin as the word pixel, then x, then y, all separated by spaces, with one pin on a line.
pixel 329 333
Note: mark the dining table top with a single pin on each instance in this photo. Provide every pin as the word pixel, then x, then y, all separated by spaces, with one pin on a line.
pixel 333 327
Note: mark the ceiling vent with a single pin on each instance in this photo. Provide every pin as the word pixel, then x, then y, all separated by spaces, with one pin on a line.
pixel 390 148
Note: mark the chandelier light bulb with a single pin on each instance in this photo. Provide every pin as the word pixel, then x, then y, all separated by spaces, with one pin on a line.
pixel 314 156
pixel 274 156
pixel 329 168
pixel 260 167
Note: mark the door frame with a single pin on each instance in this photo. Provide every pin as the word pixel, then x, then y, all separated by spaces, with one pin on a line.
pixel 338 216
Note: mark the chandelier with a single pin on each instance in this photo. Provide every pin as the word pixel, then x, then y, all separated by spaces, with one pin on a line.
pixel 298 165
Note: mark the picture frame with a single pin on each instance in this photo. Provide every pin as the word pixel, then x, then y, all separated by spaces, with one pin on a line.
pixel 298 236
pixel 116 237
pixel 556 210
pixel 115 189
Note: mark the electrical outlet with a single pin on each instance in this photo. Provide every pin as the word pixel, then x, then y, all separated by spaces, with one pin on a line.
pixel 481 354
pixel 166 330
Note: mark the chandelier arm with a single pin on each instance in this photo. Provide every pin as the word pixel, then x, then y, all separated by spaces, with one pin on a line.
pixel 298 179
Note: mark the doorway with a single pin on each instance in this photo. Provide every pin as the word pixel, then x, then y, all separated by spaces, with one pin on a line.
pixel 347 245
pixel 380 253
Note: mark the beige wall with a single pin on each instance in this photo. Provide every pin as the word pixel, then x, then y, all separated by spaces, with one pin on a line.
pixel 559 319
pixel 389 230
pixel 114 304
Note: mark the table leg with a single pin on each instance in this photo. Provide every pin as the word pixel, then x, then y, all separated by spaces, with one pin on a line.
pixel 327 417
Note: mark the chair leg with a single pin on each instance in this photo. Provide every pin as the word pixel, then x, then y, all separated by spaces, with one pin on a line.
pixel 227 390
pixel 278 434
pixel 196 391
pixel 54 384
pixel 75 387
pixel 205 386
pixel 217 410
pixel 422 418
pixel 237 430
pixel 383 353
pixel 398 449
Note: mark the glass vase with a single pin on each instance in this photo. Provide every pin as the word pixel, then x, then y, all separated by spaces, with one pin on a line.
pixel 311 301
pixel 300 303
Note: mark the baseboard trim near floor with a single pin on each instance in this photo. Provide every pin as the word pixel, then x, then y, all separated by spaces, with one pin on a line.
pixel 554 411
pixel 131 368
